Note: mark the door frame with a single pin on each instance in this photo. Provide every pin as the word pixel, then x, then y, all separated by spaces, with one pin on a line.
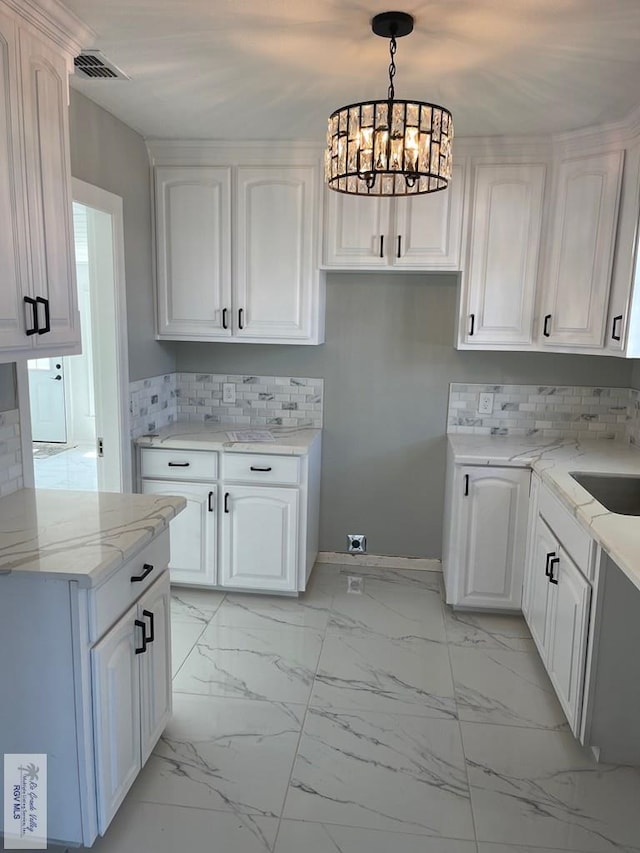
pixel 92 196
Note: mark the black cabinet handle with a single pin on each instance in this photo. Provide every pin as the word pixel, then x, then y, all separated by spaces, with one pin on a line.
pixel 614 336
pixel 146 570
pixel 241 318
pixel 466 485
pixel 209 504
pixel 34 315
pixel 545 328
pixel 226 502
pixel 47 317
pixel 260 468
pixel 382 245
pixel 178 464
pixel 549 556
pixel 399 251
pixel 225 323
pixel 553 562
pixel 140 624
pixel 149 616
pixel 472 327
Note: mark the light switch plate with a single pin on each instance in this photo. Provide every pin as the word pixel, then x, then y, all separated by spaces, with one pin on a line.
pixel 485 404
pixel 228 392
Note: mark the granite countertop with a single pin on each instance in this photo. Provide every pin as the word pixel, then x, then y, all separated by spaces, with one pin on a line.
pixel 619 535
pixel 289 441
pixel 81 536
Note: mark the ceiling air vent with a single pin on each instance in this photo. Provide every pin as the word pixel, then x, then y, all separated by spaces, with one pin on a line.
pixel 94 65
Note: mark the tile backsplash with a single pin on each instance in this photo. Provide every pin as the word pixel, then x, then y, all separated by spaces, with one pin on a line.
pixel 550 411
pixel 260 401
pixel 10 453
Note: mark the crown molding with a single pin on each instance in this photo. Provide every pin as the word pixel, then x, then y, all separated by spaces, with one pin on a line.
pixel 55 21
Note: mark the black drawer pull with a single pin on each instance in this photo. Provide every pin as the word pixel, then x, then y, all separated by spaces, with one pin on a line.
pixel 545 328
pixel 34 315
pixel 47 317
pixel 226 502
pixel 140 624
pixel 399 252
pixel 466 485
pixel 225 324
pixel 473 324
pixel 382 245
pixel 147 568
pixel 241 318
pixel 149 616
pixel 209 502
pixel 178 464
pixel 549 556
pixel 615 334
pixel 260 468
pixel 553 562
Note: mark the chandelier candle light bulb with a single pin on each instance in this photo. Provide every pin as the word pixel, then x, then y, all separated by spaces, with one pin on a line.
pixel 389 147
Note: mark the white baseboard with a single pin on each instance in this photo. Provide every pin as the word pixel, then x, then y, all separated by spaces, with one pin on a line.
pixel 342 558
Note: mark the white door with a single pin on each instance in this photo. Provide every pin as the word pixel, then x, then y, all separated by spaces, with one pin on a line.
pixel 47 400
pixel 544 548
pixel 357 231
pixel 193 532
pixel 582 240
pixel 493 528
pixel 193 222
pixel 116 713
pixel 276 264
pixel 154 609
pixel 500 281
pixel 429 227
pixel 568 623
pixel 259 537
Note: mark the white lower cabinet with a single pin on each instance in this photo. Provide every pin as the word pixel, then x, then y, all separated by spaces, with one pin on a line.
pixel 485 536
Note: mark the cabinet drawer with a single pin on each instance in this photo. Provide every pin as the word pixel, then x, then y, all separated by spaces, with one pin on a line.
pixel 179 464
pixel 575 540
pixel 262 468
pixel 111 599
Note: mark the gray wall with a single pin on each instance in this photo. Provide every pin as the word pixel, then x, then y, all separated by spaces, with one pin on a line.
pixel 109 154
pixel 635 374
pixel 387 364
pixel 8 391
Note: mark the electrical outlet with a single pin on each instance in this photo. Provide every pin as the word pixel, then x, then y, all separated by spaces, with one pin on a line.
pixel 228 392
pixel 485 404
pixel 357 543
pixel 355 584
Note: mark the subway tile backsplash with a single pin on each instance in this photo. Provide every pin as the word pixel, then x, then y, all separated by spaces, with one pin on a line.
pixel 260 401
pixel 10 453
pixel 549 411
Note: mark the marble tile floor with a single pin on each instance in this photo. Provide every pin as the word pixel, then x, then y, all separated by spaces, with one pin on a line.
pixel 372 723
pixel 74 468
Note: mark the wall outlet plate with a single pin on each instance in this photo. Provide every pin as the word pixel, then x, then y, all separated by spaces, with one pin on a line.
pixel 355 584
pixel 357 543
pixel 228 392
pixel 485 404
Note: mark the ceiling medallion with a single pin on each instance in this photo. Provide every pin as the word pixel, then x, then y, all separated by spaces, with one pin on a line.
pixel 389 147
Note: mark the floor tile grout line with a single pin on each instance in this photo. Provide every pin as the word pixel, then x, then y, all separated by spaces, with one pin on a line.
pixel 204 627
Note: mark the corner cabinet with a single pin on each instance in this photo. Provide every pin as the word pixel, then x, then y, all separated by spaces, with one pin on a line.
pixel 38 303
pixel 237 251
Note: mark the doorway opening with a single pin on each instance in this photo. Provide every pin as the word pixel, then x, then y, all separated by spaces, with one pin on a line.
pixel 78 405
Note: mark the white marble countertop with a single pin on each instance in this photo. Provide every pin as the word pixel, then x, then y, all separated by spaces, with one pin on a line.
pixel 82 536
pixel 289 441
pixel 554 461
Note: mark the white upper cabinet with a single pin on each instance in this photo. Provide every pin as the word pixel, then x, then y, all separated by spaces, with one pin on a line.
pixel 421 232
pixel 575 296
pixel 193 216
pixel 38 305
pixel 499 283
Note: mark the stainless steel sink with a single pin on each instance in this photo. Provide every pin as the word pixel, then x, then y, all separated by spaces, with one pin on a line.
pixel 619 493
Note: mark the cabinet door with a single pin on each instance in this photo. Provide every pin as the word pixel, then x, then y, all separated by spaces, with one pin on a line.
pixel 428 228
pixel 154 609
pixel 357 231
pixel 276 268
pixel 13 262
pixel 116 714
pixel 568 625
pixel 543 547
pixel 48 180
pixel 582 240
pixel 192 533
pixel 500 281
pixel 259 538
pixel 193 234
pixel 493 521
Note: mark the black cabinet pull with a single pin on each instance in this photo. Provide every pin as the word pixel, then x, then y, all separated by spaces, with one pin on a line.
pixel 225 315
pixel 545 328
pixel 241 318
pixel 178 464
pixel 209 504
pixel 149 616
pixel 466 485
pixel 34 315
pixel 399 252
pixel 553 562
pixel 140 624
pixel 260 468
pixel 226 502
pixel 147 568
pixel 616 320
pixel 47 317
pixel 472 327
pixel 382 245
pixel 549 556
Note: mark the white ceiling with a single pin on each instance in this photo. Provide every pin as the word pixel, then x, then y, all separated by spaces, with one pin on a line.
pixel 275 69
